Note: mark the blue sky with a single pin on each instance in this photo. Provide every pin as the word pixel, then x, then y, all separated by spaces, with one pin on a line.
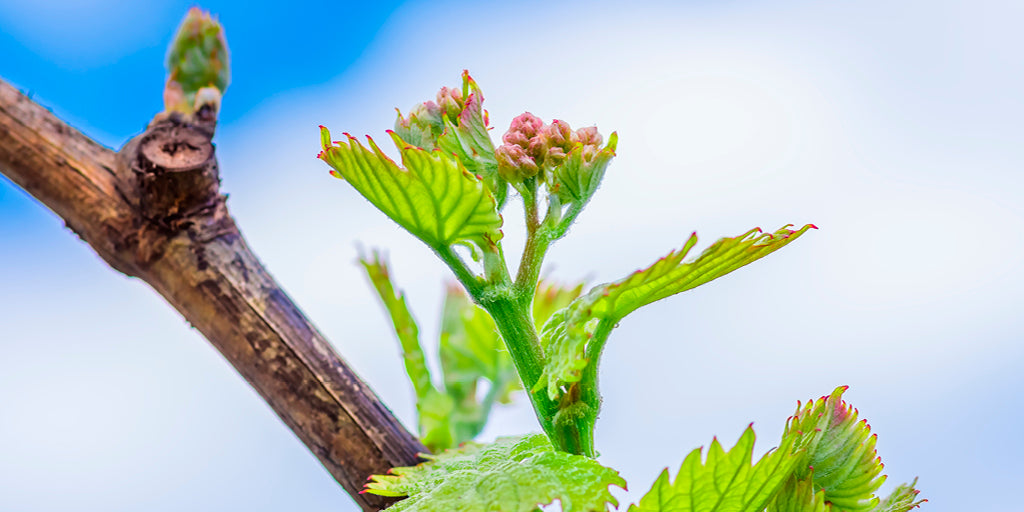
pixel 895 128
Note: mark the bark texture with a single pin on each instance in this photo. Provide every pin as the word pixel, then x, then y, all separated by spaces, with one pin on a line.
pixel 154 211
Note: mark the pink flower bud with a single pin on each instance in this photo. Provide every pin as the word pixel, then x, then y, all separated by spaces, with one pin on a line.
pixel 527 124
pixel 558 133
pixel 537 148
pixel 589 137
pixel 514 164
pixel 516 138
pixel 451 101
pixel 554 156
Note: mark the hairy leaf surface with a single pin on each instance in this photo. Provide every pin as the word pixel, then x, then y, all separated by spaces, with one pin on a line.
pixel 514 474
pixel 589 319
pixel 577 178
pixel 839 453
pixel 726 482
pixel 433 196
pixel 902 499
pixel 799 496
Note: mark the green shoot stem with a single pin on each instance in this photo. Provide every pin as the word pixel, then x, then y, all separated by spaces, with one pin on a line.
pixel 540 236
pixel 515 323
pixel 473 284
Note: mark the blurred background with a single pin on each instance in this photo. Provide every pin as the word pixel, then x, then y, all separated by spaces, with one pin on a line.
pixel 894 126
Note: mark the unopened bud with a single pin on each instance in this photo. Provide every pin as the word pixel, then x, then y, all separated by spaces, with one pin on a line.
pixel 514 164
pixel 589 136
pixel 451 102
pixel 197 59
pixel 554 156
pixel 558 133
pixel 527 124
pixel 516 138
pixel 537 148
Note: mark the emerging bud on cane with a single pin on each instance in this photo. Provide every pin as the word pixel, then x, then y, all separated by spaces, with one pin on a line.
pixel 196 60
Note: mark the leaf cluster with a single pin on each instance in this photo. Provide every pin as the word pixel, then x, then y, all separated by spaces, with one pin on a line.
pixel 502 333
pixel 821 470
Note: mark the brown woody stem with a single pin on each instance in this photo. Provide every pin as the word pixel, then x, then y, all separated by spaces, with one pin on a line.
pixel 154 211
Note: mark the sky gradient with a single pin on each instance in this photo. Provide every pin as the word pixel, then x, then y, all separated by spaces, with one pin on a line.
pixel 895 128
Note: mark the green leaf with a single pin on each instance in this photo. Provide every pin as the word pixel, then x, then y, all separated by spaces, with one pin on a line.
pixel 402 321
pixel 433 408
pixel 423 126
pixel 569 335
pixel 510 475
pixel 902 499
pixel 433 197
pixel 551 297
pixel 469 141
pixel 726 482
pixel 838 452
pixel 671 275
pixel 799 496
pixel 577 178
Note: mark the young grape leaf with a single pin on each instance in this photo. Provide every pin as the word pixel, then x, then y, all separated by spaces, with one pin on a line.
pixel 433 408
pixel 423 126
pixel 799 496
pixel 838 453
pixel 901 499
pixel 469 141
pixel 577 178
pixel 551 297
pixel 403 322
pixel 588 320
pixel 433 197
pixel 726 482
pixel 514 474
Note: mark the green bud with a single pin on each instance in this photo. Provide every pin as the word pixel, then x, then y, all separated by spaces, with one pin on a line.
pixel 197 60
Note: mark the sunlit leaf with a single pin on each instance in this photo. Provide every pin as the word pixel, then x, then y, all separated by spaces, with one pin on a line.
pixel 511 475
pixel 838 453
pixel 799 496
pixel 725 482
pixel 433 196
pixel 902 499
pixel 590 318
